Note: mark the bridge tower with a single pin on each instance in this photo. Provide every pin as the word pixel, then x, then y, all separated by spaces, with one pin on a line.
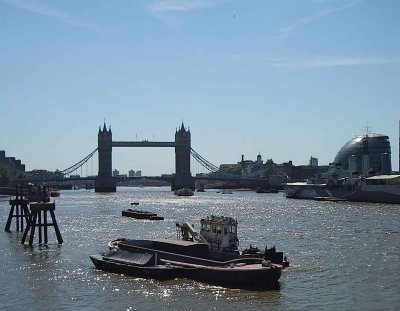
pixel 104 181
pixel 183 177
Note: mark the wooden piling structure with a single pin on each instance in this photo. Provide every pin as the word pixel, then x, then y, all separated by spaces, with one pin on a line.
pixel 19 211
pixel 38 219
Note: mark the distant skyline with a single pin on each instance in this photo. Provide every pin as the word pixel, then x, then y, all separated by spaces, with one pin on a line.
pixel 284 79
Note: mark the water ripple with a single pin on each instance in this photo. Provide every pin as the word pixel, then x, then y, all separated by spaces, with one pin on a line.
pixel 342 254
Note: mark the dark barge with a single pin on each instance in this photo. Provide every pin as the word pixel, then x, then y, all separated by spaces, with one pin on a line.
pixel 209 256
pixel 192 260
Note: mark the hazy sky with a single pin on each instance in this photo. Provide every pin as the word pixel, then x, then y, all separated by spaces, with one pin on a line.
pixel 288 79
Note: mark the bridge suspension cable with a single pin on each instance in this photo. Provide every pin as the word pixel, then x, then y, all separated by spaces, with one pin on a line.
pixel 79 164
pixel 206 164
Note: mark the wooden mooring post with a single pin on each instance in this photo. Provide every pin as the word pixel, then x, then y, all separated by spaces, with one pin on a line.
pixel 19 211
pixel 38 218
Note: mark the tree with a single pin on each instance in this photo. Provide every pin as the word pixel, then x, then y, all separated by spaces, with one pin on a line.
pixel 5 174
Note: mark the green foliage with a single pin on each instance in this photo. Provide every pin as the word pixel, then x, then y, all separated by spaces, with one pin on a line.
pixel 5 173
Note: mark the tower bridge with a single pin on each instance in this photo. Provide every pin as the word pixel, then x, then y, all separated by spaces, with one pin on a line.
pixel 105 182
pixel 182 144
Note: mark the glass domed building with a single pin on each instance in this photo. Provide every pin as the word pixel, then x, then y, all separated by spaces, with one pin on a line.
pixel 366 153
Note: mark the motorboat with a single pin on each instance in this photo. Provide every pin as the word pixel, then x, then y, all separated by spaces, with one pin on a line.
pixel 129 212
pixel 184 192
pixel 54 193
pixel 226 191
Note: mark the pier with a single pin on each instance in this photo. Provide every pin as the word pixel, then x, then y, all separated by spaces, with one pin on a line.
pixel 38 219
pixel 18 211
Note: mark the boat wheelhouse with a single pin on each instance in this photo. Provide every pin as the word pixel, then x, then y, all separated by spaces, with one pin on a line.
pixel 220 233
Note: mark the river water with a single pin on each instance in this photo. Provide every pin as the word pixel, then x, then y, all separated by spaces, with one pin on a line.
pixel 343 256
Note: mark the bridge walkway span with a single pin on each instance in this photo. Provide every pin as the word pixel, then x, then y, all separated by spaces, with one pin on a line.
pixel 143 144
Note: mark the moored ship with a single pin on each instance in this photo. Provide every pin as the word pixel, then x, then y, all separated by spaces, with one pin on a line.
pixel 374 189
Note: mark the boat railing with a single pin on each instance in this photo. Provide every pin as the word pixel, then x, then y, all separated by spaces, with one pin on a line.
pixel 190 259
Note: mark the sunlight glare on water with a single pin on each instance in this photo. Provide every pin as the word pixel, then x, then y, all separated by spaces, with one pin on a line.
pixel 342 255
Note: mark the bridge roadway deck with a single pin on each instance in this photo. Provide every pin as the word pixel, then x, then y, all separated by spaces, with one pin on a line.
pixel 120 178
pixel 143 144
pixel 170 177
